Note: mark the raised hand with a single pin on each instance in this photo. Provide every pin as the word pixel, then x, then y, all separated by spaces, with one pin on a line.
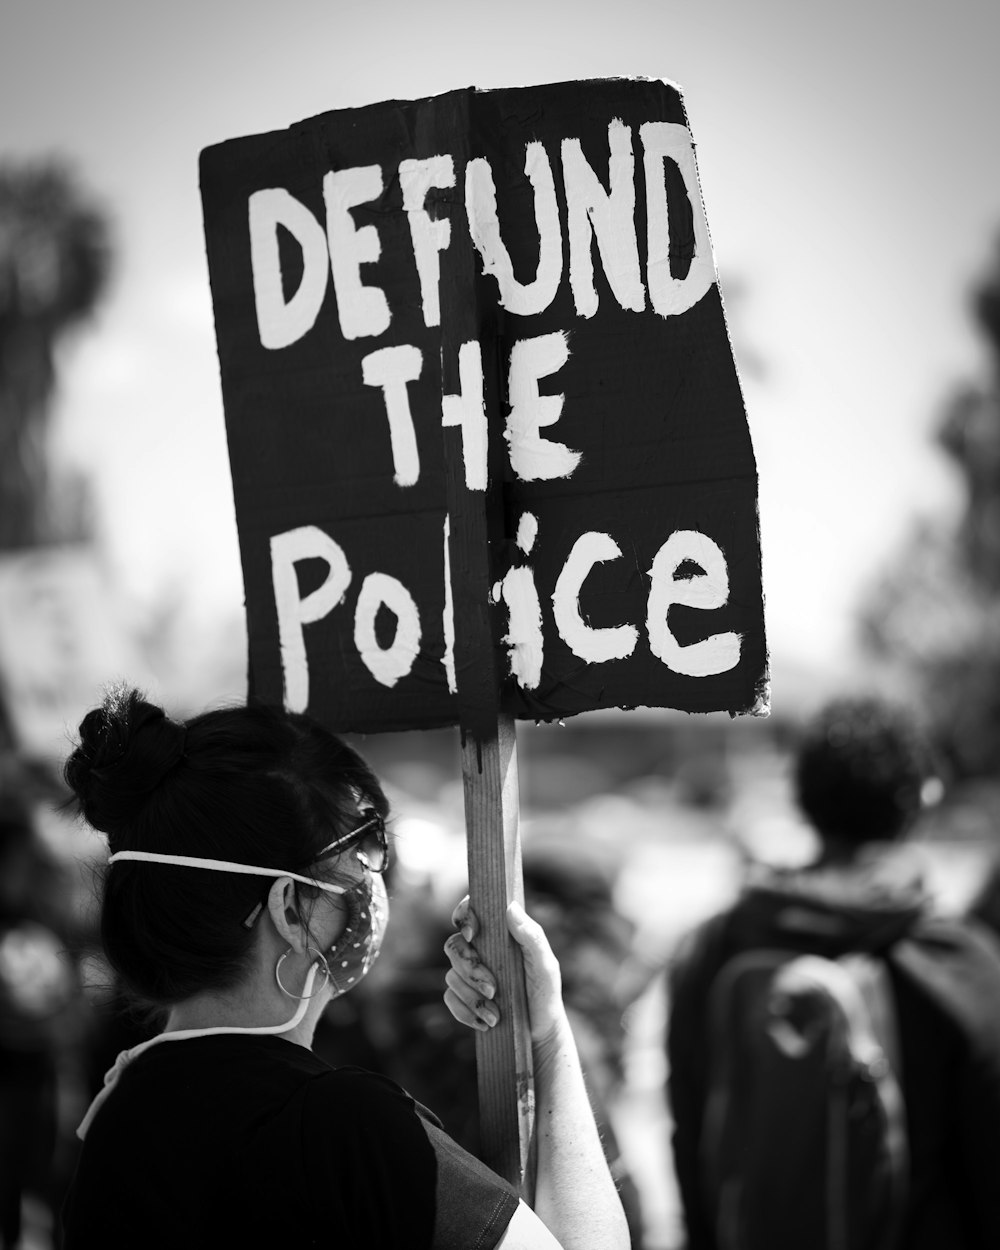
pixel 471 985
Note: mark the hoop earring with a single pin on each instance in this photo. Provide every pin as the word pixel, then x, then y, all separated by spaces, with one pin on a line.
pixel 323 965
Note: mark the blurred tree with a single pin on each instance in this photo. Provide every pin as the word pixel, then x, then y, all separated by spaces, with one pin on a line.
pixel 54 264
pixel 936 613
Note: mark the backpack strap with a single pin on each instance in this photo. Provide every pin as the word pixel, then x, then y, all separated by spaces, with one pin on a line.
pixel 871 976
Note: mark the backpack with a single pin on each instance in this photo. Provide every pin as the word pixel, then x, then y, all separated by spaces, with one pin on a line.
pixel 804 1141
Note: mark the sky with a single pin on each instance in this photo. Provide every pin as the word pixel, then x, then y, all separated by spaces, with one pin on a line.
pixel 847 156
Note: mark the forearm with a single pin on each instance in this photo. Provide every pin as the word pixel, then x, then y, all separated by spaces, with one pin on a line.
pixel 575 1195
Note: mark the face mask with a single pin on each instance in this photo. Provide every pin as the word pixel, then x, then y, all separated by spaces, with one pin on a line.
pixel 357 948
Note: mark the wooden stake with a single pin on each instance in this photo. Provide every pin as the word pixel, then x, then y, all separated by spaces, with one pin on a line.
pixel 503 1054
pixel 489 760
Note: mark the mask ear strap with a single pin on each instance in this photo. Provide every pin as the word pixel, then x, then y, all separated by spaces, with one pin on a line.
pixel 221 865
pixel 128 1056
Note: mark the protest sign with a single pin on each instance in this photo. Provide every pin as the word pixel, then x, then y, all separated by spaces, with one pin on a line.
pixel 519 282
pixel 489 451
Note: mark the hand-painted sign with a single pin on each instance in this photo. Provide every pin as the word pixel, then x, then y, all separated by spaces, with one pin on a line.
pixel 519 283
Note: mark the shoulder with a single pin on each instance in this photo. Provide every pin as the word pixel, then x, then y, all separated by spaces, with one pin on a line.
pixel 473 1205
pixel 361 1102
pixel 692 971
pixel 350 1115
pixel 388 1150
pixel 365 1158
pixel 964 947
pixel 955 964
pixel 701 951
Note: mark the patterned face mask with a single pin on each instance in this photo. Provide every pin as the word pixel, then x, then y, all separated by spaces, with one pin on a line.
pixel 357 948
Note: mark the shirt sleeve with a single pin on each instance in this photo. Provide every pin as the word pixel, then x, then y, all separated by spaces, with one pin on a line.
pixel 473 1204
pixel 399 1181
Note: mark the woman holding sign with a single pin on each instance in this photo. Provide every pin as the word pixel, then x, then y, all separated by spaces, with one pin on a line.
pixel 243 893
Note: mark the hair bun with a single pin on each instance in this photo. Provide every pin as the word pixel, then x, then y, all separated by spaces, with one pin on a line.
pixel 127 746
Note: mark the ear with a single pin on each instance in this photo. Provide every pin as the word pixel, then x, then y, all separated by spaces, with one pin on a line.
pixel 283 908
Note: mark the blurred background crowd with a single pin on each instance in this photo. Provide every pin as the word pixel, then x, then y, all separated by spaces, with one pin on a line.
pixel 634 825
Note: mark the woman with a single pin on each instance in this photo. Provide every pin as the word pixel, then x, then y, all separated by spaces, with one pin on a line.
pixel 243 892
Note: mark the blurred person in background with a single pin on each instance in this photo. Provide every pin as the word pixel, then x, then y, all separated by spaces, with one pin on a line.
pixel 924 1016
pixel 40 1014
pixel 571 895
pixel 243 893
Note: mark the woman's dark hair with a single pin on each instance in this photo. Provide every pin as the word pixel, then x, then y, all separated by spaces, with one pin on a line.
pixel 249 784
pixel 860 769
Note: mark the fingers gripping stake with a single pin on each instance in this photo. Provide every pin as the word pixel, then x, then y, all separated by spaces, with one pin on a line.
pixel 470 983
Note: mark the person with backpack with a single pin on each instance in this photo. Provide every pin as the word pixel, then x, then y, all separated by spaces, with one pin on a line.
pixel 833 1043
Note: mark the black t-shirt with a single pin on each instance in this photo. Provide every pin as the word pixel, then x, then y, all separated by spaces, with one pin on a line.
pixel 249 1141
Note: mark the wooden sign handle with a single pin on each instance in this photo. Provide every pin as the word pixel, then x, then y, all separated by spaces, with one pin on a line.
pixel 503 1053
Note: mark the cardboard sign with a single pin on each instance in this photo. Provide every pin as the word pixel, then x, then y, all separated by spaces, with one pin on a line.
pixel 513 291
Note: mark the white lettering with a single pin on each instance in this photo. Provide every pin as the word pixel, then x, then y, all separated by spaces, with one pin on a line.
pixel 448 617
pixel 593 645
pixel 688 570
pixel 387 665
pixel 363 310
pixel 608 216
pixel 527 532
pixel 468 411
pixel 530 298
pixel 430 237
pixel 294 611
pixel 279 323
pixel 709 589
pixel 532 457
pixel 669 141
pixel 524 638
pixel 392 368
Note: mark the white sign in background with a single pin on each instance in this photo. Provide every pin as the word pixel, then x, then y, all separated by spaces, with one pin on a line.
pixel 61 642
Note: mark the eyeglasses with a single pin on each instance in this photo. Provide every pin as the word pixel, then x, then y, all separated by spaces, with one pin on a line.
pixel 369 838
pixel 370 844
